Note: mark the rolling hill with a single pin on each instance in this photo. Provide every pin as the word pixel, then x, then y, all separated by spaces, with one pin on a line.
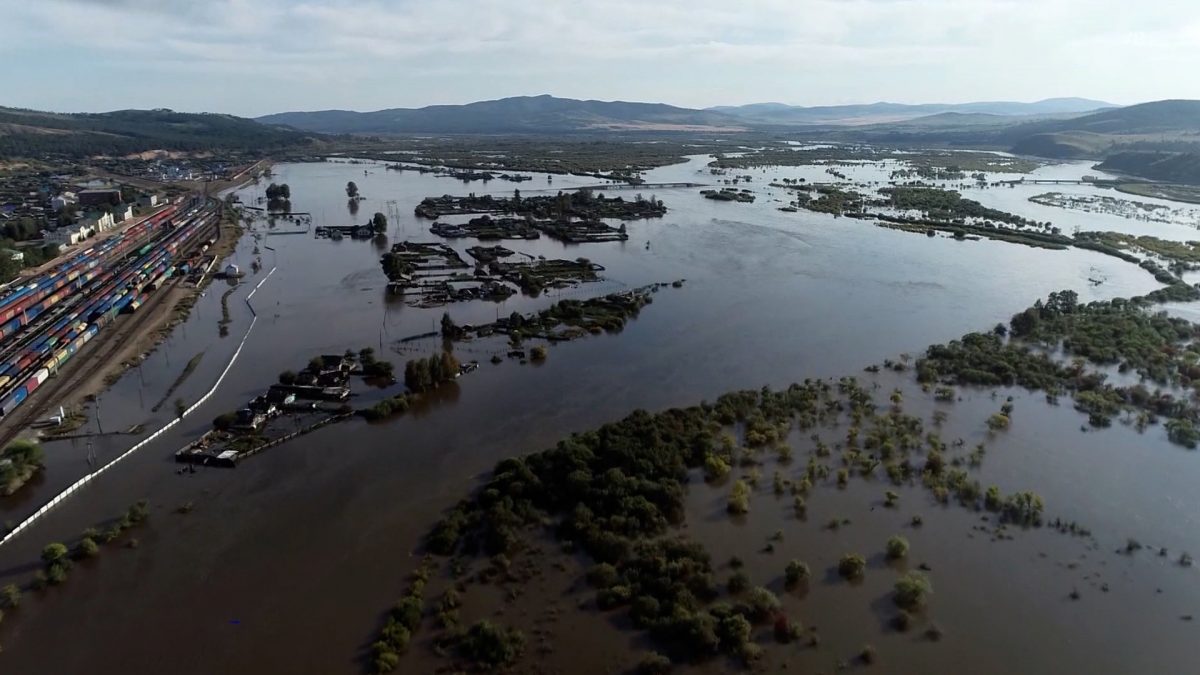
pixel 1158 140
pixel 1160 125
pixel 876 113
pixel 29 133
pixel 1168 167
pixel 520 114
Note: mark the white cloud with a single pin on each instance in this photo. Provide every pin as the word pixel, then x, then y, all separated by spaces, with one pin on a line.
pixel 266 55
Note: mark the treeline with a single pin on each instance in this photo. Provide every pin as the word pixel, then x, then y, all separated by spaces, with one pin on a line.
pixel 614 159
pixel 616 490
pixel 947 205
pixel 1120 332
pixel 1170 167
pixel 422 375
pixel 33 256
pixel 127 131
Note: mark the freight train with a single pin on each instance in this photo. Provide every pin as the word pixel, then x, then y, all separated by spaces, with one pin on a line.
pixel 37 295
pixel 88 291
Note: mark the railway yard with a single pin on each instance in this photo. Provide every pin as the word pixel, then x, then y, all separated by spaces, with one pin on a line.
pixel 48 318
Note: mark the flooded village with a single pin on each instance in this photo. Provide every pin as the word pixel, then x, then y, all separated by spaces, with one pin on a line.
pixel 569 310
pixel 835 338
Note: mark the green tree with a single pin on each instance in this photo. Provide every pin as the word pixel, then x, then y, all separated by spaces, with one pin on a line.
pixel 416 375
pixel 408 612
pixel 762 603
pixel 351 190
pixel 734 631
pixel 897 547
pixel 715 467
pixel 88 548
pixel 54 553
pixel 492 645
pixel 739 498
pixel 10 596
pixel 23 451
pixel 450 366
pixel 910 591
pixel 379 222
pixel 449 328
pixel 852 566
pixel 795 572
pixel 738 582
pixel 654 664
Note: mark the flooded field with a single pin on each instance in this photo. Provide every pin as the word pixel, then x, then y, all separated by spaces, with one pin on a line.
pixel 287 563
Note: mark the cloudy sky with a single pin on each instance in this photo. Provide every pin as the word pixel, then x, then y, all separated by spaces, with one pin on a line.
pixel 252 57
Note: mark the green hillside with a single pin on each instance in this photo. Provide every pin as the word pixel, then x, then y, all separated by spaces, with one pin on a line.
pixel 30 133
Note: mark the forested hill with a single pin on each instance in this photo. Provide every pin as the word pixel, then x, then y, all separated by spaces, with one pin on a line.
pixel 1169 167
pixel 30 133
pixel 519 114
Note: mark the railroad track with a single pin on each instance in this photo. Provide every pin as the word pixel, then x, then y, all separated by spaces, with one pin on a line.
pixel 96 353
pixel 134 276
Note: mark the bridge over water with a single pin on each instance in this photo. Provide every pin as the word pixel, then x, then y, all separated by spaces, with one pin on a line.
pixel 1053 181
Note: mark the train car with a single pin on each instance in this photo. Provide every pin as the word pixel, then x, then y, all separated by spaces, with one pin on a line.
pixel 114 285
pixel 10 327
pixel 14 399
pixel 136 304
pixel 46 294
pixel 46 288
pixel 161 279
pixel 36 380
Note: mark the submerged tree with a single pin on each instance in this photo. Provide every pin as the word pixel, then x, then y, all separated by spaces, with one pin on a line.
pixel 739 498
pixel 910 591
pixel 897 547
pixel 852 566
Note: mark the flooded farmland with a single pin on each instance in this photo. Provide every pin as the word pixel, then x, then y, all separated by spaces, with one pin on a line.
pixel 287 563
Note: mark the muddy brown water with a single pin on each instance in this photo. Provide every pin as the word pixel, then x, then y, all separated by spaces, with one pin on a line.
pixel 286 563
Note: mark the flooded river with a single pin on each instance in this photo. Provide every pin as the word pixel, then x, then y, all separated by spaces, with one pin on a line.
pixel 286 563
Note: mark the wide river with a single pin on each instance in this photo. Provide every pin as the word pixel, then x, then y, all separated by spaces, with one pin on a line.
pixel 286 563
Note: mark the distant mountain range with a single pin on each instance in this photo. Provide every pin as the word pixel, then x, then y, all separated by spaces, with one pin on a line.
pixel 548 114
pixel 1158 139
pixel 873 113
pixel 516 115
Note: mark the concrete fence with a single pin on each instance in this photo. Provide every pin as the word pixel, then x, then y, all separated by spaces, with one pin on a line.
pixel 77 485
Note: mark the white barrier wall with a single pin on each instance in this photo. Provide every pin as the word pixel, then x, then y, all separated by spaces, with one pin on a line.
pixel 83 481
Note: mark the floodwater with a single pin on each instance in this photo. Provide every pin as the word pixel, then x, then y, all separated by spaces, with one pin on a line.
pixel 993 597
pixel 286 563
